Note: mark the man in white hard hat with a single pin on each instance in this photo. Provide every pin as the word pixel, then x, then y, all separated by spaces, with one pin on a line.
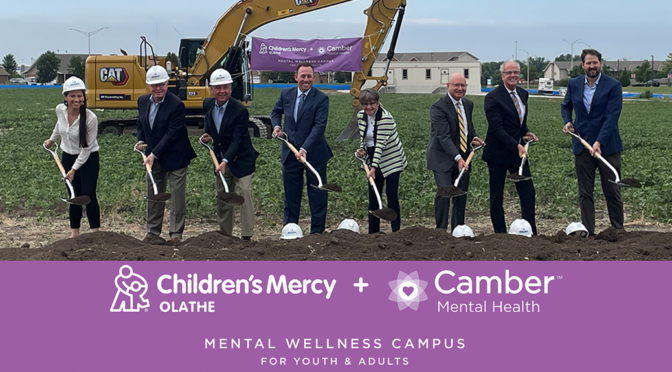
pixel 226 124
pixel 162 133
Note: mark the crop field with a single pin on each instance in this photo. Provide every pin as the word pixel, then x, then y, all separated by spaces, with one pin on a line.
pixel 30 180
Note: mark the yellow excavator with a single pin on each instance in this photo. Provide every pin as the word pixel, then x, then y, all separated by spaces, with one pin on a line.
pixel 116 82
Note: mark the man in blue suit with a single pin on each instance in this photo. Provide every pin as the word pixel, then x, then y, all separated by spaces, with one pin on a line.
pixel 162 132
pixel 597 100
pixel 306 111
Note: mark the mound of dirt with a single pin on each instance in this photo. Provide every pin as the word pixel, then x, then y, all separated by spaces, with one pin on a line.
pixel 410 244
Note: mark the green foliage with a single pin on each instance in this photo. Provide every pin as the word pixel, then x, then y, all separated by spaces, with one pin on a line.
pixel 577 70
pixel 277 77
pixel 490 70
pixel 342 77
pixel 667 66
pixel 31 181
pixel 562 83
pixel 646 95
pixel 173 58
pixel 47 67
pixel 624 78
pixel 643 72
pixel 10 65
pixel 606 69
pixel 568 57
pixel 77 67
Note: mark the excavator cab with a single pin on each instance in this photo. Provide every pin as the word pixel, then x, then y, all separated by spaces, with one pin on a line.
pixel 188 51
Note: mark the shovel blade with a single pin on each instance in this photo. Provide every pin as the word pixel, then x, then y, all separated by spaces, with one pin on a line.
pixel 329 187
pixel 628 182
pixel 160 197
pixel 230 199
pixel 517 177
pixel 451 192
pixel 79 200
pixel 387 214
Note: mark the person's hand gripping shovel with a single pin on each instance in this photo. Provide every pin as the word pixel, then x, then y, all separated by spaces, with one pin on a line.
pixel 157 196
pixel 77 200
pixel 453 191
pixel 330 187
pixel 226 197
pixel 518 177
pixel 387 214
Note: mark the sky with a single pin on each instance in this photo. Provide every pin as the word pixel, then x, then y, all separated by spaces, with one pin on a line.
pixel 487 29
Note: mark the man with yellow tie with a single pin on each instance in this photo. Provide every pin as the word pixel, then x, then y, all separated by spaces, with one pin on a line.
pixel 452 132
pixel 506 111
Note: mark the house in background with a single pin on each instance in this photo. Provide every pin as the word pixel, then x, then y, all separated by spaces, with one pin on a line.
pixel 558 70
pixel 4 76
pixel 427 72
pixel 31 72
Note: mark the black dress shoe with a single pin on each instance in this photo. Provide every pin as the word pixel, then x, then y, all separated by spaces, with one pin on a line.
pixel 248 238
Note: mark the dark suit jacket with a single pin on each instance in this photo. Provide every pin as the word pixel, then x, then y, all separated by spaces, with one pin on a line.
pixel 168 140
pixel 444 137
pixel 308 131
pixel 232 142
pixel 601 123
pixel 504 128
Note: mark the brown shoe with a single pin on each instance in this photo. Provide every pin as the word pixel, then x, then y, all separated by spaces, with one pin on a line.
pixel 175 240
pixel 154 240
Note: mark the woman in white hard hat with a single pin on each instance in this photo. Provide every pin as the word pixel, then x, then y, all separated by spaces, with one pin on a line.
pixel 77 127
pixel 385 154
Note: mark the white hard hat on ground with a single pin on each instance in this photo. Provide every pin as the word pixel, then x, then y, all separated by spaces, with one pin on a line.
pixel 291 231
pixel 462 231
pixel 220 77
pixel 73 83
pixel 349 224
pixel 521 227
pixel 156 75
pixel 577 227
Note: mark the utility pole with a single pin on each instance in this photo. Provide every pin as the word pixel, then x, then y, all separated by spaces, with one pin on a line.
pixel 516 50
pixel 528 67
pixel 88 34
pixel 571 64
pixel 653 72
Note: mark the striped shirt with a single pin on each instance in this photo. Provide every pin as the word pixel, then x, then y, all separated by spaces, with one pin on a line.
pixel 389 154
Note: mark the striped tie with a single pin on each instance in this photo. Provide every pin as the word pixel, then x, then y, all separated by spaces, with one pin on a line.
pixel 463 137
pixel 515 102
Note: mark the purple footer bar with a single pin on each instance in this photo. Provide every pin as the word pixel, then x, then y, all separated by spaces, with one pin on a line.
pixel 335 316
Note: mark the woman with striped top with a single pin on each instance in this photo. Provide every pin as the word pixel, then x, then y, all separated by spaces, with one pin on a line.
pixel 384 154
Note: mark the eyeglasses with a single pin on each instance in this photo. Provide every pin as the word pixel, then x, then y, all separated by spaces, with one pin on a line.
pixel 369 104
pixel 511 72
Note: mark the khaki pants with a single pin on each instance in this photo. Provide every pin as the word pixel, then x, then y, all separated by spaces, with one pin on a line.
pixel 178 187
pixel 226 212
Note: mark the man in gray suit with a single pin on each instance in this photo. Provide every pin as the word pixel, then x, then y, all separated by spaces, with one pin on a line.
pixel 451 133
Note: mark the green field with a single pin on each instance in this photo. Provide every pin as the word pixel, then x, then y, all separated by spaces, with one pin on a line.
pixel 30 179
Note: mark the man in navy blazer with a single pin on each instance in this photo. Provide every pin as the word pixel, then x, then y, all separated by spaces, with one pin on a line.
pixel 506 110
pixel 162 133
pixel 597 100
pixel 226 124
pixel 306 111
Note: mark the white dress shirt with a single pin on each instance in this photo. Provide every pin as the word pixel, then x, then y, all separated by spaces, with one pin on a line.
pixel 69 135
pixel 464 119
pixel 368 137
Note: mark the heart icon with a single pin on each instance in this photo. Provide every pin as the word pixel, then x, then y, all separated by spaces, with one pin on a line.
pixel 408 291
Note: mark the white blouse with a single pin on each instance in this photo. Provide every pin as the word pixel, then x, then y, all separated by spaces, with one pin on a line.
pixel 69 135
pixel 368 137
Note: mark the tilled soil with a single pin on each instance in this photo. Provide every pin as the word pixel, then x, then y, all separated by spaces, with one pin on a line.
pixel 412 243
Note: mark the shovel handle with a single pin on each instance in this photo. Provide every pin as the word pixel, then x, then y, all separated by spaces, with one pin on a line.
pixel 373 185
pixel 58 163
pixel 216 163
pixel 295 151
pixel 371 181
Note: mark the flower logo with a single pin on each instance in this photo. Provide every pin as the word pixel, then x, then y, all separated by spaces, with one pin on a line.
pixel 408 290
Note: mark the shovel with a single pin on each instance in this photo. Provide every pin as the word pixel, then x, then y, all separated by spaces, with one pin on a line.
pixel 330 187
pixel 226 197
pixel 387 214
pixel 454 191
pixel 519 176
pixel 76 200
pixel 159 197
pixel 626 182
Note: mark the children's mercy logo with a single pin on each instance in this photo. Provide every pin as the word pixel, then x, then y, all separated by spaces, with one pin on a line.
pixel 408 290
pixel 131 289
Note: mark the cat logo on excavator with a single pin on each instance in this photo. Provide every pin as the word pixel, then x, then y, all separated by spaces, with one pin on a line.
pixel 115 75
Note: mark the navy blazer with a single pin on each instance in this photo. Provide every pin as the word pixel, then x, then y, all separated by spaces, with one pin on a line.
pixel 232 142
pixel 168 140
pixel 444 136
pixel 308 131
pixel 504 128
pixel 601 123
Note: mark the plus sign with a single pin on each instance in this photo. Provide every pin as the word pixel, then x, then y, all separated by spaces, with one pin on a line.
pixel 361 284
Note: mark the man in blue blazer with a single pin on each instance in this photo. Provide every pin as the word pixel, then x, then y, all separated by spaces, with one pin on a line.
pixel 226 123
pixel 306 111
pixel 162 133
pixel 506 109
pixel 597 100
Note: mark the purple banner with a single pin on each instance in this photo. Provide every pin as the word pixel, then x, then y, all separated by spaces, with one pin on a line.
pixel 335 316
pixel 326 55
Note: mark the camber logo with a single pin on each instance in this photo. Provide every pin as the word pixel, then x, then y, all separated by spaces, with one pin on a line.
pixel 131 290
pixel 408 290
pixel 114 75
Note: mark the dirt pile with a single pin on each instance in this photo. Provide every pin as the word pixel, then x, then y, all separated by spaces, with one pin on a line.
pixel 410 244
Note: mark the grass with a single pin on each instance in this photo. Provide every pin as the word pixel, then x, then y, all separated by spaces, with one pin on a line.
pixel 30 180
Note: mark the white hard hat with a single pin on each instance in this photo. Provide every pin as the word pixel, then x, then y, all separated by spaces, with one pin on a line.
pixel 462 231
pixel 73 83
pixel 220 77
pixel 291 231
pixel 521 227
pixel 349 224
pixel 156 75
pixel 577 227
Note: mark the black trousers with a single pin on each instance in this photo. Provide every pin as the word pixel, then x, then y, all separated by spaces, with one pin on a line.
pixel 585 174
pixel 292 179
pixel 442 205
pixel 392 192
pixel 84 183
pixel 525 193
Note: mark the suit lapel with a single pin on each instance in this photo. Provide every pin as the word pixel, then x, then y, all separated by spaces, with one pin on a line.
pixel 598 90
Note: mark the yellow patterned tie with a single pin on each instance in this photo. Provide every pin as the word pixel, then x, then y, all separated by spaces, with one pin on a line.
pixel 463 137
pixel 515 102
